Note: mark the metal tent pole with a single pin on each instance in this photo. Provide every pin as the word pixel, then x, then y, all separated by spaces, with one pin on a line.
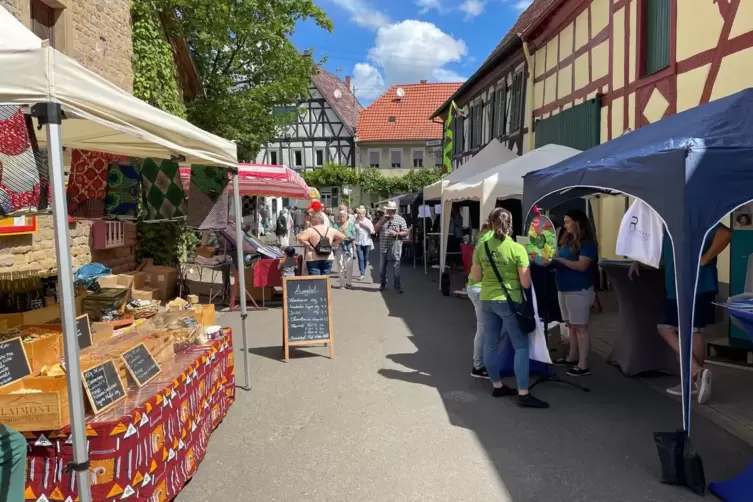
pixel 241 279
pixel 425 257
pixel 67 301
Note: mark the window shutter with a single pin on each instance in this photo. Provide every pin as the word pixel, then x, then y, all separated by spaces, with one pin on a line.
pixel 657 35
pixel 577 127
pixel 500 117
pixel 492 114
pixel 478 128
pixel 516 103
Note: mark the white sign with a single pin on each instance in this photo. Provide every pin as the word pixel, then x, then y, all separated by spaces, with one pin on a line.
pixel 434 142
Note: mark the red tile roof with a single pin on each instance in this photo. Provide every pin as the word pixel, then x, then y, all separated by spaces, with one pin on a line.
pixel 411 113
pixel 346 106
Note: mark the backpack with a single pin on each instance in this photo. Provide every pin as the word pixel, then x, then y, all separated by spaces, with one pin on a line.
pixel 282 225
pixel 324 246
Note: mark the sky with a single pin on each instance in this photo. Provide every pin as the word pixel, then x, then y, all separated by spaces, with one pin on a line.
pixel 380 43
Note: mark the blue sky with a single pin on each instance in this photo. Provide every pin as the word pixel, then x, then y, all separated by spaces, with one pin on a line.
pixel 380 43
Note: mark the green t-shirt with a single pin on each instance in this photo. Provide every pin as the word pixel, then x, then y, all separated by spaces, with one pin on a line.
pixel 480 242
pixel 509 256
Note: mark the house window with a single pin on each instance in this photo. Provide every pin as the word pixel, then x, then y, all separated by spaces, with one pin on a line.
pixel 577 127
pixel 476 125
pixel 516 103
pixel 43 21
pixel 320 157
pixel 656 35
pixel 458 134
pixel 374 156
pixel 396 158
pixel 418 157
pixel 273 158
pixel 298 157
pixel 500 111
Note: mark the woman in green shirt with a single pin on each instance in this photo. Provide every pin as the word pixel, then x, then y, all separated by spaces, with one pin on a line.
pixel 512 263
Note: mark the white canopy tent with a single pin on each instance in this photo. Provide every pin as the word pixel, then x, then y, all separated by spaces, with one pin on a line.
pixel 504 181
pixel 491 155
pixel 82 110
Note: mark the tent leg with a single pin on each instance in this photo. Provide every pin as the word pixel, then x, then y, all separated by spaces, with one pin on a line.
pixel 241 279
pixel 67 302
pixel 425 257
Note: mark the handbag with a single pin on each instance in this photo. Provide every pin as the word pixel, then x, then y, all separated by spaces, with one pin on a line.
pixel 523 310
pixel 641 234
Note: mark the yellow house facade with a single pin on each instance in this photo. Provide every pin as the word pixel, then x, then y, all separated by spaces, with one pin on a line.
pixel 612 66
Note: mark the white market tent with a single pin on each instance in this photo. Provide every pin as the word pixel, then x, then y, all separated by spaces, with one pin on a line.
pixel 504 181
pixel 491 155
pixel 83 110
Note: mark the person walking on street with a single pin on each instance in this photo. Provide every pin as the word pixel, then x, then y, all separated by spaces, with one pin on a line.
pixel 282 228
pixel 501 265
pixel 364 244
pixel 346 251
pixel 391 229
pixel 319 241
pixel 13 448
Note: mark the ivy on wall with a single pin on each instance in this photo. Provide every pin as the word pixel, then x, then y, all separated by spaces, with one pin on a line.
pixel 371 180
pixel 155 81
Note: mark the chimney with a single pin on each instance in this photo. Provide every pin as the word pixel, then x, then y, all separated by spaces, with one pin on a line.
pixel 424 81
pixel 347 82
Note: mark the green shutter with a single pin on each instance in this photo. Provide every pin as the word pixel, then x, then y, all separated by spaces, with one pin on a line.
pixel 492 114
pixel 516 103
pixel 478 125
pixel 500 118
pixel 657 35
pixel 577 127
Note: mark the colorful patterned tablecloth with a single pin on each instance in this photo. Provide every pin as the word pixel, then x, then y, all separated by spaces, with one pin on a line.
pixel 149 446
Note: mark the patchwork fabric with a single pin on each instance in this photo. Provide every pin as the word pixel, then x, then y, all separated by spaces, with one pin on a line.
pixel 87 183
pixel 209 196
pixel 122 196
pixel 210 180
pixel 163 194
pixel 24 183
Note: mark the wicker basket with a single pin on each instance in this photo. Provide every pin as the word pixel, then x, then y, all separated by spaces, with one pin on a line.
pixel 143 312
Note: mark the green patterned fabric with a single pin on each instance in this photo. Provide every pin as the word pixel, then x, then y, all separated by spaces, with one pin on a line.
pixel 122 192
pixel 210 180
pixel 164 198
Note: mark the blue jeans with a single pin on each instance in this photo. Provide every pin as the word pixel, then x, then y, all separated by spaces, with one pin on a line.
pixel 474 293
pixel 385 258
pixel 363 258
pixel 498 316
pixel 319 267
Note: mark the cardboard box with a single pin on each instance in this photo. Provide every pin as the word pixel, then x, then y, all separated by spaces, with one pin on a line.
pixel 136 280
pixel 146 293
pixel 108 281
pixel 162 278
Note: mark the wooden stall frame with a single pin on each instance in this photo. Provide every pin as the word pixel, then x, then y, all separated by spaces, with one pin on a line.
pixel 330 342
pixel 130 372
pixel 89 396
pixel 28 364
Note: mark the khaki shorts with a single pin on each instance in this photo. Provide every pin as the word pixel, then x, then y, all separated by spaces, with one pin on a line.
pixel 576 305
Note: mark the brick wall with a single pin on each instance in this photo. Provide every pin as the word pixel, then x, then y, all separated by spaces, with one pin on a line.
pixel 97 33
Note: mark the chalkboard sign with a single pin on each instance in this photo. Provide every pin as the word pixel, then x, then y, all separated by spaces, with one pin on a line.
pixel 83 331
pixel 307 318
pixel 13 362
pixel 141 365
pixel 103 386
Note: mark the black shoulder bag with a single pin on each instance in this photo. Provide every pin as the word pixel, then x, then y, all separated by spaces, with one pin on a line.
pixel 523 311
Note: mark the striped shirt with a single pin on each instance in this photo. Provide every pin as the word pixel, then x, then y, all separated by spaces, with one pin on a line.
pixel 395 224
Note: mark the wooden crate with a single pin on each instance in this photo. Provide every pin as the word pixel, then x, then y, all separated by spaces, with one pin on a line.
pixel 47 410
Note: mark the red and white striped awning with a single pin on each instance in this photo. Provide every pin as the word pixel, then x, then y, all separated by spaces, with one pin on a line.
pixel 264 180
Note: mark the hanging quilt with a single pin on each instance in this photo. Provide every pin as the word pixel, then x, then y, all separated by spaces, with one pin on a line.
pixel 208 193
pixel 164 198
pixel 21 185
pixel 87 183
pixel 122 196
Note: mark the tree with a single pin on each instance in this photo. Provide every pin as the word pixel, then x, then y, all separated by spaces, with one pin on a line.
pixel 246 62
pixel 336 175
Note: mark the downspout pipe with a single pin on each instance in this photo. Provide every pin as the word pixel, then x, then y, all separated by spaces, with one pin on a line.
pixel 529 92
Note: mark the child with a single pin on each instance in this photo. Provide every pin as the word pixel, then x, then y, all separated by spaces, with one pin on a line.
pixel 288 263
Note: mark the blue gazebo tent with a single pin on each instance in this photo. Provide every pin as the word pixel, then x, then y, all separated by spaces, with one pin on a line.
pixel 693 169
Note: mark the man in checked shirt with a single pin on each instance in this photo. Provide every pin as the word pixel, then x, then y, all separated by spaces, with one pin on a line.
pixel 391 229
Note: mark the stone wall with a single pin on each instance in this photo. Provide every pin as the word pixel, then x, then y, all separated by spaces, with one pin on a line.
pixel 97 33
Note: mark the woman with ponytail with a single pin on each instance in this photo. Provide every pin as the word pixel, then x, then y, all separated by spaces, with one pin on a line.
pixel 501 265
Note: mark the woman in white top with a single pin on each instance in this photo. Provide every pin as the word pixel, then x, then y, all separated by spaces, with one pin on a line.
pixel 364 244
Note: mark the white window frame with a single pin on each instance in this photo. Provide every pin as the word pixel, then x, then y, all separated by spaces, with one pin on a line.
pixel 378 151
pixel 303 157
pixel 400 150
pixel 316 159
pixel 413 159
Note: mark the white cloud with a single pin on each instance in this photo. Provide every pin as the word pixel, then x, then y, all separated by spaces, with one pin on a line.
pixel 522 4
pixel 363 14
pixel 446 75
pixel 427 5
pixel 473 8
pixel 367 81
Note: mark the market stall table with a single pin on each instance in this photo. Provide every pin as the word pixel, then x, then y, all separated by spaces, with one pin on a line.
pixel 638 347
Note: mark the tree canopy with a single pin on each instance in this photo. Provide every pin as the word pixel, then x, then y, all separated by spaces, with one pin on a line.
pixel 246 63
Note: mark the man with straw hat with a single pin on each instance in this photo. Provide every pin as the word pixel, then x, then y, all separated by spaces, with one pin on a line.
pixel 391 229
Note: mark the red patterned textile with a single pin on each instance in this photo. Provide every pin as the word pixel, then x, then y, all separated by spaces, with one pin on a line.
pixel 149 452
pixel 20 183
pixel 267 274
pixel 87 183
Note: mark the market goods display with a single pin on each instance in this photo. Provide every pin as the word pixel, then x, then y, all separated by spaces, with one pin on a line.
pixel 542 240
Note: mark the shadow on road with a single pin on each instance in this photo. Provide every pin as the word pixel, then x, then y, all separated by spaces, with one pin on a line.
pixel 588 446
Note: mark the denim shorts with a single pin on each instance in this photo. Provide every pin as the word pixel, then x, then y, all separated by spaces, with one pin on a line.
pixel 704 312
pixel 319 267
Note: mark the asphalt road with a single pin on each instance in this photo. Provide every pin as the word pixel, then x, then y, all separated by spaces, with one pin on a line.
pixel 396 417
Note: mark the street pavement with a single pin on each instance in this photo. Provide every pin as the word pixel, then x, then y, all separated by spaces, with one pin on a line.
pixel 395 416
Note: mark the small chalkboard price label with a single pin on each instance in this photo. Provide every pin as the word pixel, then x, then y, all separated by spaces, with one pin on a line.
pixel 307 313
pixel 83 331
pixel 14 365
pixel 103 386
pixel 141 365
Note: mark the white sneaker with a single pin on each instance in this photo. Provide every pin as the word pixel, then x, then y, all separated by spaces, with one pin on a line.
pixel 704 385
pixel 677 389
pixel 360 277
